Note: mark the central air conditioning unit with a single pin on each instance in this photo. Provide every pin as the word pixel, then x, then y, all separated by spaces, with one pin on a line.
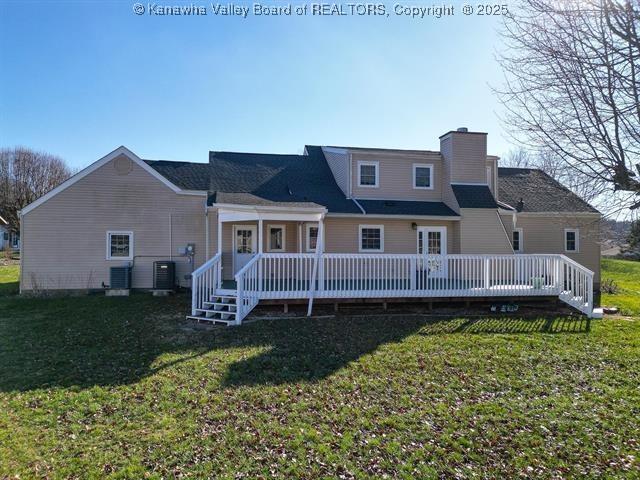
pixel 164 275
pixel 120 277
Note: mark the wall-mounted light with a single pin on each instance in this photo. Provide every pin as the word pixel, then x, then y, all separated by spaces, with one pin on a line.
pixel 414 226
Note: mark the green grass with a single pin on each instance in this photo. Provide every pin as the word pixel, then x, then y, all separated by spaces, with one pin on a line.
pixel 9 279
pixel 626 274
pixel 97 387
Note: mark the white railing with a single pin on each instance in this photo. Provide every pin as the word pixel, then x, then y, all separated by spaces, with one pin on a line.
pixel 291 276
pixel 204 282
pixel 249 284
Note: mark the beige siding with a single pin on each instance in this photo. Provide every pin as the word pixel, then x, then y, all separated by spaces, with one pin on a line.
pixel 341 234
pixel 545 234
pixel 338 160
pixel 291 244
pixel 448 197
pixel 492 165
pixel 64 239
pixel 481 232
pixel 395 173
pixel 467 155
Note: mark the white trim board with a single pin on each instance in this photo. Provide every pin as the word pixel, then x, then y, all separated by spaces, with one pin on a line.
pixel 122 150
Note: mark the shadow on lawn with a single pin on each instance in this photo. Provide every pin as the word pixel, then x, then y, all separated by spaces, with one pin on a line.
pixel 91 341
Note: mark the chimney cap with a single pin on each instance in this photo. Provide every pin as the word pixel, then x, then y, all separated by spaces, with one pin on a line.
pixel 462 129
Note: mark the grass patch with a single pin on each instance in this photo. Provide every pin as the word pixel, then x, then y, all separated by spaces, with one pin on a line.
pixel 626 274
pixel 97 387
pixel 9 279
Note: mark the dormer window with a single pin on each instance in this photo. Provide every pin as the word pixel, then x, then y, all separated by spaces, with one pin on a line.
pixel 368 174
pixel 422 176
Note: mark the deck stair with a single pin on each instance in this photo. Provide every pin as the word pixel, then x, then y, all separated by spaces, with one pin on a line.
pixel 220 310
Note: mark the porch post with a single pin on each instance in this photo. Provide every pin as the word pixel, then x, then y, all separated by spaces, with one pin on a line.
pixel 318 259
pixel 260 241
pixel 219 234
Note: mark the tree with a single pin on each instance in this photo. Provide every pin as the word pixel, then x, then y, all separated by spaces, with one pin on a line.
pixel 26 175
pixel 572 89
pixel 634 236
pixel 546 161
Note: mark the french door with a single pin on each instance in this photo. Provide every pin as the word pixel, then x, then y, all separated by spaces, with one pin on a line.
pixel 432 246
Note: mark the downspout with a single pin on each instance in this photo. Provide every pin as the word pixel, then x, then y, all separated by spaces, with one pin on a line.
pixel 206 233
pixel 171 236
pixel 359 206
pixel 504 229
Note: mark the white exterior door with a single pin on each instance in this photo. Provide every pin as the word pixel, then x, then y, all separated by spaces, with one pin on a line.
pixel 245 241
pixel 432 244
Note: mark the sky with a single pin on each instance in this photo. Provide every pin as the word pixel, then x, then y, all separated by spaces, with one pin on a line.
pixel 80 78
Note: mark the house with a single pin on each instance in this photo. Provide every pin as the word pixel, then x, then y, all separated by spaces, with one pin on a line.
pixel 8 240
pixel 334 222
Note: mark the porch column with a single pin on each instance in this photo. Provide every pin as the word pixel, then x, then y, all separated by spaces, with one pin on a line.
pixel 260 240
pixel 316 263
pixel 219 234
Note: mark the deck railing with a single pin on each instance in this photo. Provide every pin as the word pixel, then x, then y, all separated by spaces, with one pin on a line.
pixel 291 276
pixel 204 282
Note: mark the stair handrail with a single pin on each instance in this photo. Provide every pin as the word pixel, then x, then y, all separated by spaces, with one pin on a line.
pixel 241 310
pixel 197 295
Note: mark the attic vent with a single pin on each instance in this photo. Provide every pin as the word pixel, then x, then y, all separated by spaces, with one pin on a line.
pixel 389 204
pixel 122 165
pixel 463 129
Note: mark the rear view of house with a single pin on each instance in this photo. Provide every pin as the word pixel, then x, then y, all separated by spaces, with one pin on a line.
pixel 334 222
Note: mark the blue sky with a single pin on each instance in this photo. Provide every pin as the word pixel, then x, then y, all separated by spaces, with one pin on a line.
pixel 81 78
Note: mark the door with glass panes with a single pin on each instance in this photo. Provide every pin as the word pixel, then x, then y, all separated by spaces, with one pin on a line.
pixel 432 245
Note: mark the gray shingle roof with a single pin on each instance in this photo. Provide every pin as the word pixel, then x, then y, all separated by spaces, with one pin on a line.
pixel 397 207
pixel 539 192
pixel 186 175
pixel 278 179
pixel 474 196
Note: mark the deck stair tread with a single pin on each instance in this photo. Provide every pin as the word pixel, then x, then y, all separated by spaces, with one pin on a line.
pixel 213 320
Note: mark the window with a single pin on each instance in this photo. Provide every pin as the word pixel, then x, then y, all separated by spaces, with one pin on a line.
pixel 15 240
pixel 368 174
pixel 276 235
pixel 119 245
pixel 516 238
pixel 571 240
pixel 422 176
pixel 312 237
pixel 371 238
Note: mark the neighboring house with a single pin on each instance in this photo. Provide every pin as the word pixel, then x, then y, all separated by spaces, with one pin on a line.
pixel 8 240
pixel 334 222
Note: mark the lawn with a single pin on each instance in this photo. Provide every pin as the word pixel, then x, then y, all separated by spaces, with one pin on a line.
pixel 626 274
pixel 99 387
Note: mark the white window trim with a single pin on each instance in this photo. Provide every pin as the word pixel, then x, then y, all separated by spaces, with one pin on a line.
pixel 370 164
pixel 520 240
pixel 368 250
pixel 119 232
pixel 307 236
pixel 577 232
pixel 284 238
pixel 423 165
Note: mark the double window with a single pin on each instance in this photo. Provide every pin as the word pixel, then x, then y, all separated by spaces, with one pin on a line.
pixel 422 176
pixel 571 240
pixel 368 174
pixel 276 238
pixel 517 240
pixel 371 238
pixel 119 245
